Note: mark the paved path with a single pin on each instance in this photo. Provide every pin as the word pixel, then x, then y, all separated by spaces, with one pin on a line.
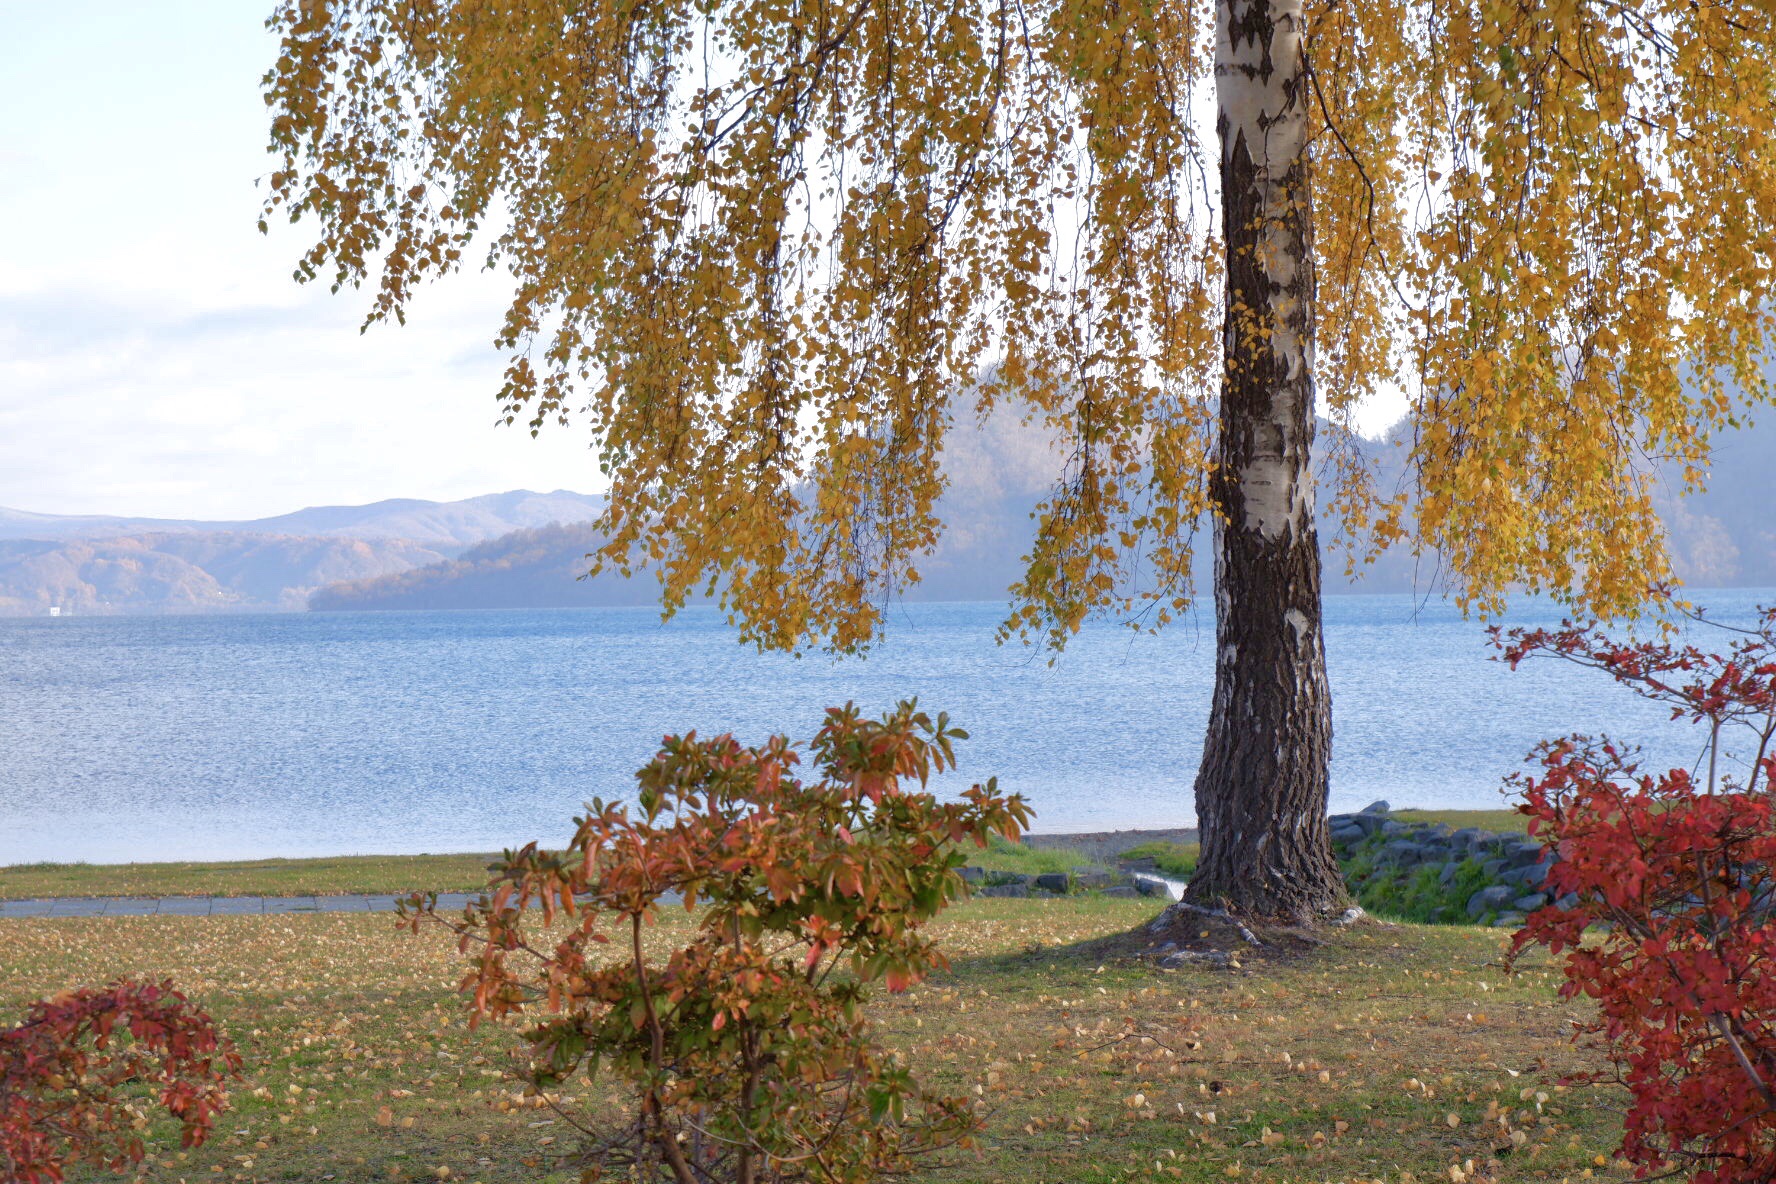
pixel 210 906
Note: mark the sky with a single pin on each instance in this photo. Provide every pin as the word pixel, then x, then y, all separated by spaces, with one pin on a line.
pixel 156 358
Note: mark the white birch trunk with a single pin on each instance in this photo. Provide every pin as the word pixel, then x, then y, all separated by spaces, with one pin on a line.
pixel 1261 790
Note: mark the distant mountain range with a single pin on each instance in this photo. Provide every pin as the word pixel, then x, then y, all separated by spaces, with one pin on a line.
pixel 998 473
pixel 189 572
pixel 452 525
pixel 525 549
pixel 92 564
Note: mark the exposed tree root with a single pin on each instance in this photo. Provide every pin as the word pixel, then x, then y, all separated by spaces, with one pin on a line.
pixel 1192 935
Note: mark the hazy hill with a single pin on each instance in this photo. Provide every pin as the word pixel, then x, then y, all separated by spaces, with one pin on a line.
pixel 1726 535
pixel 100 564
pixel 536 568
pixel 410 553
pixel 446 525
pixel 1000 472
pixel 452 524
pixel 1721 537
pixel 188 572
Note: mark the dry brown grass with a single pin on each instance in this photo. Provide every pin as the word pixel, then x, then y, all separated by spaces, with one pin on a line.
pixel 335 875
pixel 1344 1064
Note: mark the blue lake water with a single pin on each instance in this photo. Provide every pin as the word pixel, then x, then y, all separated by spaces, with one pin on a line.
pixel 305 734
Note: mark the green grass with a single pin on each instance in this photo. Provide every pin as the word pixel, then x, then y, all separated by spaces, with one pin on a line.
pixel 381 874
pixel 1416 894
pixel 1174 859
pixel 1001 856
pixel 1494 820
pixel 1343 1064
pixel 375 874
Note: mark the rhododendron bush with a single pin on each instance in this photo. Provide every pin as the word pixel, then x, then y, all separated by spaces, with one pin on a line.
pixel 1677 871
pixel 77 1074
pixel 746 1049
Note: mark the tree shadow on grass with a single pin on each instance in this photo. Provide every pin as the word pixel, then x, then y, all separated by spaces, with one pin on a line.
pixel 1178 937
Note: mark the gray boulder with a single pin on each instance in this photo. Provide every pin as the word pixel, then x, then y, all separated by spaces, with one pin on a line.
pixel 972 875
pixel 1121 890
pixel 1530 903
pixel 1017 890
pixel 1489 900
pixel 1404 853
pixel 1529 875
pixel 1150 887
pixel 1523 852
pixel 1376 807
pixel 1054 881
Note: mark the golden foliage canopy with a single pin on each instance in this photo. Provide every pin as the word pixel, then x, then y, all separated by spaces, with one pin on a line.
pixel 774 247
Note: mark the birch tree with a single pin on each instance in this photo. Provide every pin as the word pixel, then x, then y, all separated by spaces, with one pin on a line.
pixel 768 251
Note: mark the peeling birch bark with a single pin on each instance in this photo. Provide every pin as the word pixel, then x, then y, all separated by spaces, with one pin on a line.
pixel 1262 787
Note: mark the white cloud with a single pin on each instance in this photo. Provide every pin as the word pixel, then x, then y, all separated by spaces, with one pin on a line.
pixel 155 356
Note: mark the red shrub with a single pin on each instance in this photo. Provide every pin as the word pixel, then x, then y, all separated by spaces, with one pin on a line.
pixel 746 1049
pixel 1680 875
pixel 72 1075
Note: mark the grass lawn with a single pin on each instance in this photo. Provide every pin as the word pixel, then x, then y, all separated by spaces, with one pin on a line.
pixel 369 874
pixel 1495 820
pixel 1396 1053
pixel 386 874
pixel 1174 859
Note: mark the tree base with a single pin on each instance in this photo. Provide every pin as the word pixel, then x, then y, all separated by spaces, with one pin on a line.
pixel 1187 934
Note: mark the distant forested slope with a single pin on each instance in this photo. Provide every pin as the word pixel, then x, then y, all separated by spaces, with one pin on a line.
pixel 408 553
pixel 998 474
pixel 537 568
pixel 1721 537
pixel 104 564
pixel 188 572
pixel 1726 536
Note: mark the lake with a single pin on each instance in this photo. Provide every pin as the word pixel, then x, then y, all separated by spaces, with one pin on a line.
pixel 313 734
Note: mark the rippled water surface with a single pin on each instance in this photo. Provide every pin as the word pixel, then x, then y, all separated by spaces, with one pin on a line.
pixel 303 734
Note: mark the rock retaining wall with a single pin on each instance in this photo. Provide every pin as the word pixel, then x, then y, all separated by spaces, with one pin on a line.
pixel 1080 879
pixel 1428 872
pixel 1417 871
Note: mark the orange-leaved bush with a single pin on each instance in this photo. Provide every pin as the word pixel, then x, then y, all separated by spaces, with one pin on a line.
pixel 746 1047
pixel 1680 869
pixel 72 1073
